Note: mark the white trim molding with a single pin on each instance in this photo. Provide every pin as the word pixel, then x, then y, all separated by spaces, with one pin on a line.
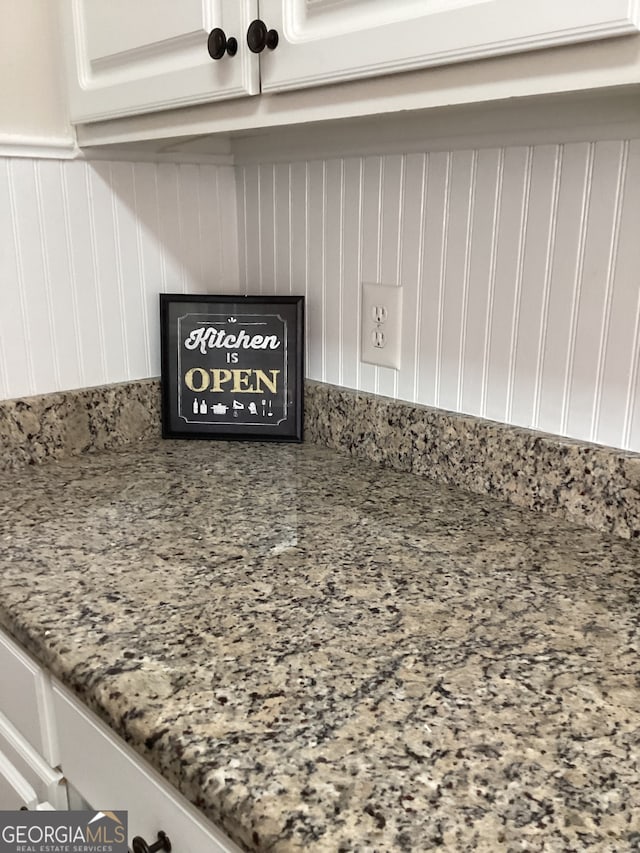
pixel 217 152
pixel 38 147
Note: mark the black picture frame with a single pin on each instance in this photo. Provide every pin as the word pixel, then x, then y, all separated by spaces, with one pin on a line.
pixel 232 366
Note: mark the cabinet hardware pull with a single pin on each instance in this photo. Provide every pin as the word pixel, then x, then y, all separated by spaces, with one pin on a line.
pixel 259 37
pixel 218 44
pixel 141 846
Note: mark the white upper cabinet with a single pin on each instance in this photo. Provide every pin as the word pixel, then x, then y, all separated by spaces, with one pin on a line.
pixel 326 41
pixel 128 57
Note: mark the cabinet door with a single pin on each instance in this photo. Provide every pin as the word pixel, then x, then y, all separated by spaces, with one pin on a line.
pixel 127 57
pixel 326 41
pixel 26 700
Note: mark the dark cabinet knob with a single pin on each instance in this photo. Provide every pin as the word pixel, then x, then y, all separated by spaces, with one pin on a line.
pixel 218 44
pixel 141 846
pixel 259 37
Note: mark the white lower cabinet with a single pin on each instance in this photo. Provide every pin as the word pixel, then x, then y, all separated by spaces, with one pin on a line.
pixel 106 773
pixel 15 791
pixel 48 785
pixel 25 699
pixel 28 748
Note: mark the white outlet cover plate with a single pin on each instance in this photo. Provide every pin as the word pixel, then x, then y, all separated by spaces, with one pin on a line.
pixel 388 297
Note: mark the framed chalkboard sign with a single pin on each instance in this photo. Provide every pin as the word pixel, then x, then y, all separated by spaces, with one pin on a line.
pixel 232 366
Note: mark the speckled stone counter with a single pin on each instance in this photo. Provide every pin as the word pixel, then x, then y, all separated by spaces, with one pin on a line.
pixel 581 482
pixel 326 655
pixel 573 480
pixel 68 423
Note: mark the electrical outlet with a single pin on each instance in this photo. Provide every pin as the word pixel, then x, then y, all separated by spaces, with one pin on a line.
pixel 380 327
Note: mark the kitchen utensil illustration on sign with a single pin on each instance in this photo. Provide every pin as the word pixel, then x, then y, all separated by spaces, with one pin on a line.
pixel 232 366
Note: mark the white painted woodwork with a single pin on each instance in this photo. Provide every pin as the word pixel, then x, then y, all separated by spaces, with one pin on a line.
pixel 49 784
pixel 585 68
pixel 25 699
pixel 115 776
pixel 127 58
pixel 15 792
pixel 37 146
pixel 85 248
pixel 519 267
pixel 323 41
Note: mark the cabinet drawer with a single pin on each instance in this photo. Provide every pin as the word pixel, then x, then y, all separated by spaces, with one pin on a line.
pixel 15 791
pixel 48 784
pixel 25 699
pixel 110 775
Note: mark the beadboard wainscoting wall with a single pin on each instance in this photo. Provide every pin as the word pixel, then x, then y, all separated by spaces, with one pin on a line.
pixel 519 267
pixel 85 248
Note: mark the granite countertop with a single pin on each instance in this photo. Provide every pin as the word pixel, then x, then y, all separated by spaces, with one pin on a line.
pixel 325 655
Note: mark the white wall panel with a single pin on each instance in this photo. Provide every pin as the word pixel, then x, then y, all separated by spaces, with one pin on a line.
pixel 479 271
pixel 282 219
pixel 593 292
pixel 14 338
pixel 410 259
pixel 84 251
pixel 618 156
pixel 150 267
pixel 265 245
pixel 131 284
pixel 315 247
pixel 57 257
pixel 332 275
pixel 574 181
pixel 530 312
pixel 621 387
pixel 170 229
pixel 251 218
pixel 458 217
pixel 519 268
pixel 351 263
pixel 507 284
pixel 431 286
pixel 108 271
pixel 35 295
pixel 79 231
